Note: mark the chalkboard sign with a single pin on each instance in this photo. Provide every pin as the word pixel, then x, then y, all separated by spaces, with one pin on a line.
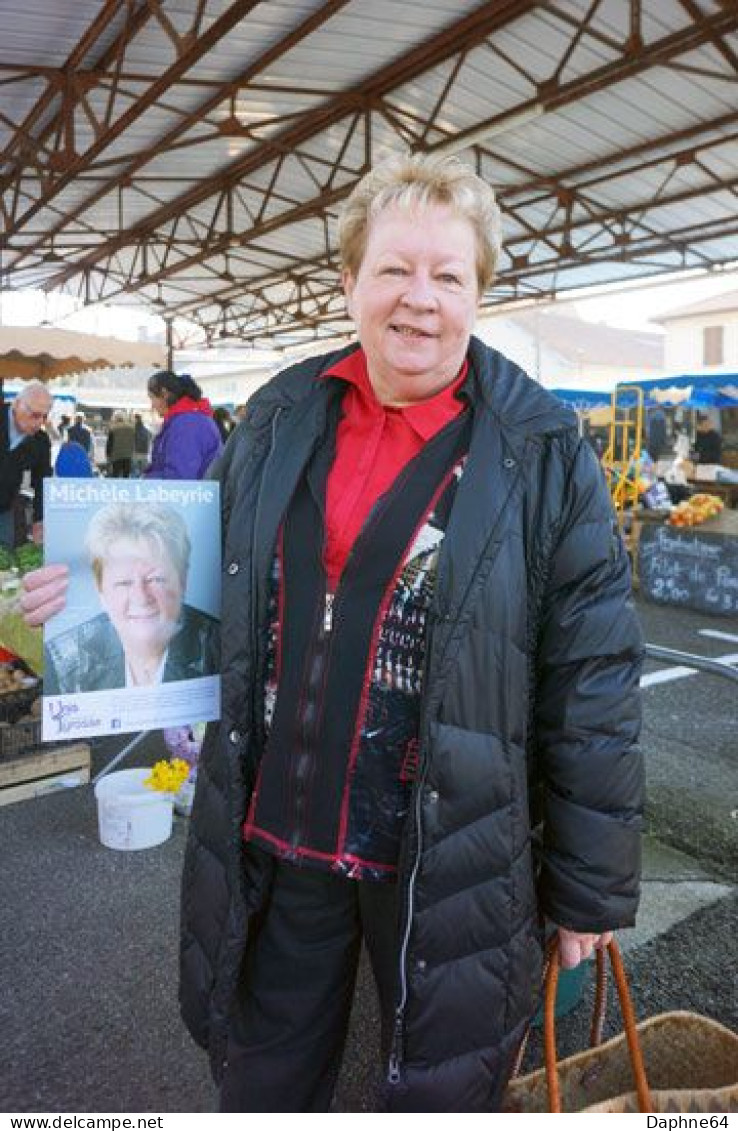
pixel 688 567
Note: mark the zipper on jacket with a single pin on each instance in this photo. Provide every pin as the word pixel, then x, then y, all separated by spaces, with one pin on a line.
pixel 309 717
pixel 314 695
pixel 396 1053
pixel 257 615
pixel 395 1058
pixel 394 1065
pixel 328 613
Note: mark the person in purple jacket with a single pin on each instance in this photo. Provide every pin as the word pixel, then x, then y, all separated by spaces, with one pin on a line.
pixel 189 439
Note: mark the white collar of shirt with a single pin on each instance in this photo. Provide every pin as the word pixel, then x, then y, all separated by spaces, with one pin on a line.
pixel 158 674
pixel 15 436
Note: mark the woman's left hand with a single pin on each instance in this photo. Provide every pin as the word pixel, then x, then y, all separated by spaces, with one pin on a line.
pixel 44 592
pixel 574 946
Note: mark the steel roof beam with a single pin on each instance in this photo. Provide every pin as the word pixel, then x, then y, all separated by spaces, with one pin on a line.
pixel 222 93
pixel 188 49
pixel 565 254
pixel 606 168
pixel 550 187
pixel 513 281
pixel 577 192
pixel 651 241
pixel 97 28
pixel 610 73
pixel 601 220
pixel 196 229
pixel 472 28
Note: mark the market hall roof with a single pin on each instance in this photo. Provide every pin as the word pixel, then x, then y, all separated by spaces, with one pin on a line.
pixel 194 154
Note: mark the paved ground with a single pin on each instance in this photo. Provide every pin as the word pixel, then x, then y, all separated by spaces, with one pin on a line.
pixel 88 943
pixel 690 738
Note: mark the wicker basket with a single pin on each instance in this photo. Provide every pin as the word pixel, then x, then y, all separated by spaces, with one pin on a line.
pixel 19 738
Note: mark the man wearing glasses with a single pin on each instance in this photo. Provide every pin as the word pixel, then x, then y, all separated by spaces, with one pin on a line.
pixel 24 446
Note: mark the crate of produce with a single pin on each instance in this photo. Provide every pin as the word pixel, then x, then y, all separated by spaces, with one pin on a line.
pixel 44 771
pixel 19 688
pixel 18 739
pixel 15 635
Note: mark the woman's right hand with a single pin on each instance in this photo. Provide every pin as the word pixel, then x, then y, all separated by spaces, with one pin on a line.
pixel 44 593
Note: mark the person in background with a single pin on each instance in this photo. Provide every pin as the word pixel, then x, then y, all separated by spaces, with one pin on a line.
pixel 189 439
pixel 239 413
pixel 142 440
pixel 24 446
pixel 119 445
pixel 657 439
pixel 73 462
pixel 708 443
pixel 224 420
pixel 79 433
pixel 430 706
pixel 141 444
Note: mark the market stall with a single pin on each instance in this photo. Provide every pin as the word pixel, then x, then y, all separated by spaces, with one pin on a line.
pixel 686 398
pixel 679 521
pixel 593 409
pixel 43 353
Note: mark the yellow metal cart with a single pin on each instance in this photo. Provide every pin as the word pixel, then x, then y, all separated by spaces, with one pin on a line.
pixel 621 460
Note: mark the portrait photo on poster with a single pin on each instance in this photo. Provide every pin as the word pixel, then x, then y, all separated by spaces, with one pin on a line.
pixel 136 645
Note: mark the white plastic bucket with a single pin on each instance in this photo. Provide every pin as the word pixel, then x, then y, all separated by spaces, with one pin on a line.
pixel 129 814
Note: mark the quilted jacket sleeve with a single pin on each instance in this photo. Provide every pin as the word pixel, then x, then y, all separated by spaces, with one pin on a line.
pixel 587 717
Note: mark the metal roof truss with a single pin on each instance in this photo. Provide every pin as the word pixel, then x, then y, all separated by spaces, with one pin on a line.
pixel 194 155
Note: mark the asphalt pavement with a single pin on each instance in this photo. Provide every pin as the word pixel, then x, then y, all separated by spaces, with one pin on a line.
pixel 89 935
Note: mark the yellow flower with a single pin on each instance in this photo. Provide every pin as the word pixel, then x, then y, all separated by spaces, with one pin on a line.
pixel 168 777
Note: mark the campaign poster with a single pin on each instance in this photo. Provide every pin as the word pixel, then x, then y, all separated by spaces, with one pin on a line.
pixel 136 645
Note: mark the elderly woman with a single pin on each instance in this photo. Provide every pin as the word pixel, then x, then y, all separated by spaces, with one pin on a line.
pixel 429 689
pixel 145 635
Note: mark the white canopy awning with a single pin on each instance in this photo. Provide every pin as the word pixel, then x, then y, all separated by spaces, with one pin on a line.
pixel 44 352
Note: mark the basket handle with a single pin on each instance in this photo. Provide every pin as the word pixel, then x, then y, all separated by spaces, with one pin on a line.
pixel 645 1103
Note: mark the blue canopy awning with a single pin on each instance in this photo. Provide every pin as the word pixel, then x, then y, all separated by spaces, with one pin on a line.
pixel 583 399
pixel 690 390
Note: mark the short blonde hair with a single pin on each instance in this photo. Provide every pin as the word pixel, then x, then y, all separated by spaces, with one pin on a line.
pixel 160 526
pixel 418 181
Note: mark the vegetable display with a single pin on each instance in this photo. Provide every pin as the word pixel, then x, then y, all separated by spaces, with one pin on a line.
pixel 15 635
pixel 695 511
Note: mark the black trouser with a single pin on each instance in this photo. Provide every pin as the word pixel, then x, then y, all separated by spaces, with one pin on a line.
pixel 289 1029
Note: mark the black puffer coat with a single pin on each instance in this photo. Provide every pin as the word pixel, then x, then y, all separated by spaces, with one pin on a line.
pixel 530 710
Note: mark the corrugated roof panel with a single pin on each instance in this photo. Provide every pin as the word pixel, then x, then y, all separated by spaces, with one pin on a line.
pixel 302 241
pixel 720 209
pixel 540 43
pixel 362 37
pixel 260 29
pixel 722 160
pixel 39 30
pixel 656 19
